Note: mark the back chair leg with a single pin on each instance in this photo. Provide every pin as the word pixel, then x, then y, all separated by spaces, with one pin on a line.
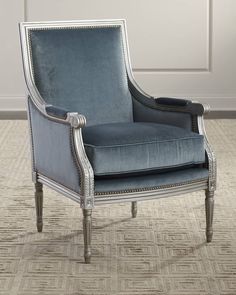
pixel 39 205
pixel 209 206
pixel 134 209
pixel 87 227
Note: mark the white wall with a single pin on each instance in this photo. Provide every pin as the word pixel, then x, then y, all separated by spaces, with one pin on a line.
pixel 182 48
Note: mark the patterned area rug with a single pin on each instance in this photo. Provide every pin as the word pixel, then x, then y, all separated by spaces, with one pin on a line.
pixel 162 251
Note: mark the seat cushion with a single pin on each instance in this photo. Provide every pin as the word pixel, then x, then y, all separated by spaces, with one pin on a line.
pixel 121 148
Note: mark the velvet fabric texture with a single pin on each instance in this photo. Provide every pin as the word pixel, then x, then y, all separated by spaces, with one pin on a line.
pixel 53 155
pixel 143 113
pixel 165 110
pixel 83 70
pixel 56 112
pixel 120 148
pixel 150 181
pixel 173 101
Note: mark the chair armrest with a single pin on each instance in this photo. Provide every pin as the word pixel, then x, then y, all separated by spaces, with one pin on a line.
pixel 58 150
pixel 180 105
pixel 62 115
pixel 164 110
pixel 56 112
pixel 173 101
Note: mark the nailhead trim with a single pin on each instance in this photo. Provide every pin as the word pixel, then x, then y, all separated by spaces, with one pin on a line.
pixel 149 189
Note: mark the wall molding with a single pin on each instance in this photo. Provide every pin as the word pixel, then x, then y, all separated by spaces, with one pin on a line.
pixel 171 70
pixel 208 67
pixel 13 115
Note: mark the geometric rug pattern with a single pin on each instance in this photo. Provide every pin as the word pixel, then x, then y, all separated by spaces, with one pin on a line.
pixel 163 251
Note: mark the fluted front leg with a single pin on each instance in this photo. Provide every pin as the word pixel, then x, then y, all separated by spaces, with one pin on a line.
pixel 87 226
pixel 39 205
pixel 134 209
pixel 209 205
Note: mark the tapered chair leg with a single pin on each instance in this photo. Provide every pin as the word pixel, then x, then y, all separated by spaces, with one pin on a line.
pixel 39 205
pixel 87 227
pixel 209 206
pixel 134 209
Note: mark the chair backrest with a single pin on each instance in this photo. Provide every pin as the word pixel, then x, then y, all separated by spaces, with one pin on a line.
pixel 82 68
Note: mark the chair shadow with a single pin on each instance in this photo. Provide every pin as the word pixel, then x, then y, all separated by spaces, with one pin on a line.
pixel 35 239
pixel 66 237
pixel 76 233
pixel 112 223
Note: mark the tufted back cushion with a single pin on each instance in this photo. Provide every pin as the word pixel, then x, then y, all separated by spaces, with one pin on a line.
pixel 83 70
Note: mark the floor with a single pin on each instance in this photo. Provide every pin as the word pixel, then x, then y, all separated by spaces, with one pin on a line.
pixel 162 251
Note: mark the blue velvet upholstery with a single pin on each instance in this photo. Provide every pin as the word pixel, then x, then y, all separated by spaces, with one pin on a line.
pixel 150 181
pixel 173 101
pixel 56 112
pixel 177 112
pixel 144 113
pixel 181 105
pixel 53 155
pixel 83 70
pixel 120 148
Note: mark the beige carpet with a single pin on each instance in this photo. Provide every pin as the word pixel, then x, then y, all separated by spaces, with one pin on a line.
pixel 162 251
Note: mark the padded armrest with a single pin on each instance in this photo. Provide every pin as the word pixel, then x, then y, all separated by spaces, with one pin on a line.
pixel 163 104
pixel 56 111
pixel 183 105
pixel 173 101
pixel 177 112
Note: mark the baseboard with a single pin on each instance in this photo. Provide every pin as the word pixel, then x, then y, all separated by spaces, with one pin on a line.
pixel 221 115
pixel 13 115
pixel 22 115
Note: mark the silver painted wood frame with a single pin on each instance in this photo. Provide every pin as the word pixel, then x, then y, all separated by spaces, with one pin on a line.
pixel 87 197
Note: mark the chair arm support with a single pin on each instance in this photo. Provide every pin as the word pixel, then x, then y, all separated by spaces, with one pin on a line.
pixel 180 105
pixel 173 101
pixel 210 155
pixel 76 120
pixel 56 112
pixel 58 151
pixel 172 111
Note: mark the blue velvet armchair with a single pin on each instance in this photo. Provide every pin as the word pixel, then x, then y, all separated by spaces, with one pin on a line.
pixel 96 137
